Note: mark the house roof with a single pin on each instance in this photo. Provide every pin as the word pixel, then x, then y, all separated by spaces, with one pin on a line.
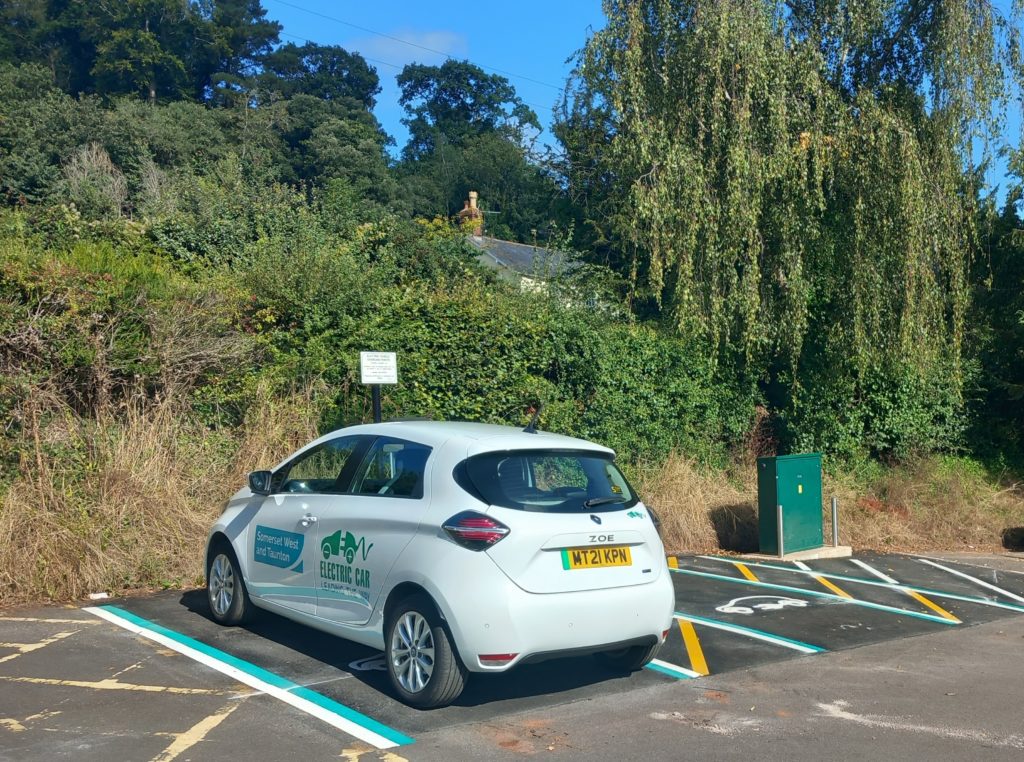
pixel 521 258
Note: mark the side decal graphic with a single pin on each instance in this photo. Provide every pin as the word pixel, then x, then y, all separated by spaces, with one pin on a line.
pixel 277 547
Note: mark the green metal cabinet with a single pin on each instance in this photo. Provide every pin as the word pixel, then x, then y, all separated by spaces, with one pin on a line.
pixel 793 482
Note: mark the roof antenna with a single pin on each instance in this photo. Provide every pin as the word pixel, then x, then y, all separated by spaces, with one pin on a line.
pixel 531 427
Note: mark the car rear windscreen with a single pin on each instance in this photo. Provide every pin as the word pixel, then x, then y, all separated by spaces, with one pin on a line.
pixel 550 481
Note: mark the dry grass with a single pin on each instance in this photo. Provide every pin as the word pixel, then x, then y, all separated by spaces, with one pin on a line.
pixel 701 510
pixel 131 505
pixel 932 504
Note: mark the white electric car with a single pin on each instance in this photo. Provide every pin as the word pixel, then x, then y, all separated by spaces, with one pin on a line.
pixel 453 547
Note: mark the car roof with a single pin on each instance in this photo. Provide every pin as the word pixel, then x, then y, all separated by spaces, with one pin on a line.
pixel 478 437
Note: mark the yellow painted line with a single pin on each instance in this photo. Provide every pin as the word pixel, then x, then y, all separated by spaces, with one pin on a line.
pixel 673 562
pixel 129 668
pixel 823 581
pixel 12 725
pixel 932 605
pixel 912 593
pixel 16 726
pixel 833 587
pixel 114 685
pixel 184 741
pixel 47 621
pixel 745 571
pixel 355 753
pixel 697 661
pixel 27 648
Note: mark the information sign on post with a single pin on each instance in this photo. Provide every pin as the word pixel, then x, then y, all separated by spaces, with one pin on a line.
pixel 376 368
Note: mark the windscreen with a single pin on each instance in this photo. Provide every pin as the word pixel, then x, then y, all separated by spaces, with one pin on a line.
pixel 550 481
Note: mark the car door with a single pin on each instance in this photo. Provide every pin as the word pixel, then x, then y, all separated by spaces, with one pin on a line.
pixel 283 542
pixel 363 533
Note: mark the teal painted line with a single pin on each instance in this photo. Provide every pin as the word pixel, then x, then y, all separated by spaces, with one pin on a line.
pixel 268 677
pixel 816 594
pixel 899 586
pixel 667 671
pixel 759 634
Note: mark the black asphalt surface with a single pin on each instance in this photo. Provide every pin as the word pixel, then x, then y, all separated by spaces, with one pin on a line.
pixel 63 670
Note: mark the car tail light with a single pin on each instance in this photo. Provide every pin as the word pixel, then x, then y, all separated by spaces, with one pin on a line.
pixel 475 530
pixel 496 660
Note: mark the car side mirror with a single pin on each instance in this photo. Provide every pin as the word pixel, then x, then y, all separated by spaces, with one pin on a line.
pixel 259 482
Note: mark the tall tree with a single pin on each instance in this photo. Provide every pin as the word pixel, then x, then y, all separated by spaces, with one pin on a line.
pixel 456 101
pixel 237 37
pixel 157 48
pixel 142 47
pixel 791 183
pixel 328 72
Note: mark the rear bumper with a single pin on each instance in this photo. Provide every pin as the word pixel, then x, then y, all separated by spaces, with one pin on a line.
pixel 492 615
pixel 644 642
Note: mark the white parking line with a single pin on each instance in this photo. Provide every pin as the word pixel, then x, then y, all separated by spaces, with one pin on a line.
pixel 975 580
pixel 337 715
pixel 767 637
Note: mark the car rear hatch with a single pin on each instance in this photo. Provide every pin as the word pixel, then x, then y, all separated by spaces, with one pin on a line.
pixel 574 522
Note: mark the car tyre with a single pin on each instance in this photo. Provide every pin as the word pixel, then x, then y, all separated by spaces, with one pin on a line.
pixel 628 659
pixel 225 590
pixel 424 669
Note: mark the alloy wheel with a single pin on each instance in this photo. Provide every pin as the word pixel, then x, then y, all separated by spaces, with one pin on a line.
pixel 221 584
pixel 412 651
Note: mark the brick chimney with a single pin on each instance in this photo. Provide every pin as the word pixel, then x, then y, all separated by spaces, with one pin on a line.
pixel 470 211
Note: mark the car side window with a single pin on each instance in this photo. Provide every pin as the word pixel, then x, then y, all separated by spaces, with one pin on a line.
pixel 393 467
pixel 319 469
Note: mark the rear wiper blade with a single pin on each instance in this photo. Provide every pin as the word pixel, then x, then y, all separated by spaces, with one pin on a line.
pixel 596 501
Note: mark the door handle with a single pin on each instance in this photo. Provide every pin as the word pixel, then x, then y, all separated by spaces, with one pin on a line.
pixel 308 520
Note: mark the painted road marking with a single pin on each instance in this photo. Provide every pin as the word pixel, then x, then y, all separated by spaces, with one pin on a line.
pixel 817 594
pixel 47 621
pixel 184 741
pixel 333 713
pixel 821 580
pixel 693 649
pixel 871 582
pixel 672 670
pixel 839 710
pixel 975 580
pixel 18 726
pixel 355 755
pixel 27 648
pixel 745 571
pixel 915 595
pixel 779 640
pixel 114 685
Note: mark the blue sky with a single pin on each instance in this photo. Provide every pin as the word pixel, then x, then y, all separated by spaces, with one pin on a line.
pixel 527 41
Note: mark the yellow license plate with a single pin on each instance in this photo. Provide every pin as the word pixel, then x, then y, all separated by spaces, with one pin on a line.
pixel 595 558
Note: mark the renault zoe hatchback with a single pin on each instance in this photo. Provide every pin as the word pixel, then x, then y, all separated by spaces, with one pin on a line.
pixel 452 547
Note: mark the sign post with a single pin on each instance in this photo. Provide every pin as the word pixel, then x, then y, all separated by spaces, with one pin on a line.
pixel 376 368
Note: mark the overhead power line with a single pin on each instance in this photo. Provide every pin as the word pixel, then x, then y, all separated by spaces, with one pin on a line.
pixel 367 58
pixel 411 44
pixel 386 63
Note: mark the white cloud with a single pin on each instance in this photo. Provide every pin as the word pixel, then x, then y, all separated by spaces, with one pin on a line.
pixel 391 51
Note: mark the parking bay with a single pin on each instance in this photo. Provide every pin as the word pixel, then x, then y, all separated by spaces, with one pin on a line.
pixel 731 614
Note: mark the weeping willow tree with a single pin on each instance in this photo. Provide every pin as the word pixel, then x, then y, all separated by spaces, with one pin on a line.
pixel 792 187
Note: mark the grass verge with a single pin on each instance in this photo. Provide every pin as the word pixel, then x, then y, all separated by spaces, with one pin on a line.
pixel 934 503
pixel 129 502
